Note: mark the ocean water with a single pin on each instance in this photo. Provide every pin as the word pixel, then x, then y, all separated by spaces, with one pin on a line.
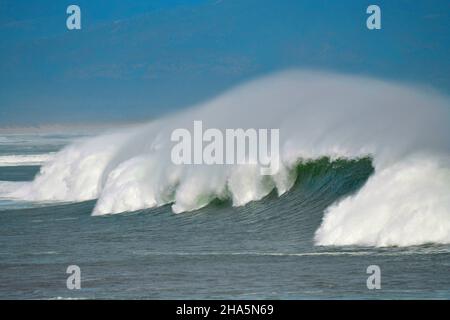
pixel 364 180
pixel 263 250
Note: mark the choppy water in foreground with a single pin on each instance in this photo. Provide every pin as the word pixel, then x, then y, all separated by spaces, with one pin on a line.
pixel 262 250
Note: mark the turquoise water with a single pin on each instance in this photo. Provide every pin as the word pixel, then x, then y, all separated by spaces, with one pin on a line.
pixel 262 250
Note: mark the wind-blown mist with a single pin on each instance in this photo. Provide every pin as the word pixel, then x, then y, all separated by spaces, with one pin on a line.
pixel 405 130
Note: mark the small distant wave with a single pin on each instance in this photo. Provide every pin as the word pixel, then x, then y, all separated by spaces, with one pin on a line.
pixel 68 298
pixel 415 251
pixel 277 254
pixel 25 159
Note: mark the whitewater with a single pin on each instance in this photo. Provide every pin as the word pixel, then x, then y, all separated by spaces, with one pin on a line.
pixel 25 160
pixel 404 129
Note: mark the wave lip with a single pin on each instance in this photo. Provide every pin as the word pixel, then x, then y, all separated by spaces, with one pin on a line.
pixel 318 115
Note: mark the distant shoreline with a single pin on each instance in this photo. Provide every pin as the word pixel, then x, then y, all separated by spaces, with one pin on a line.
pixel 68 127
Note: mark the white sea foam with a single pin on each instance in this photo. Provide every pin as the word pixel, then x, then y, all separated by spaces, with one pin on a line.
pixel 404 204
pixel 405 129
pixel 25 160
pixel 7 188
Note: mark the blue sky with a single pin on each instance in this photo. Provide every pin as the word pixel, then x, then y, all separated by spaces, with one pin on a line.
pixel 138 59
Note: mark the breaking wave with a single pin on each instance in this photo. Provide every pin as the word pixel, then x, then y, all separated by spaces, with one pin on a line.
pixel 404 130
